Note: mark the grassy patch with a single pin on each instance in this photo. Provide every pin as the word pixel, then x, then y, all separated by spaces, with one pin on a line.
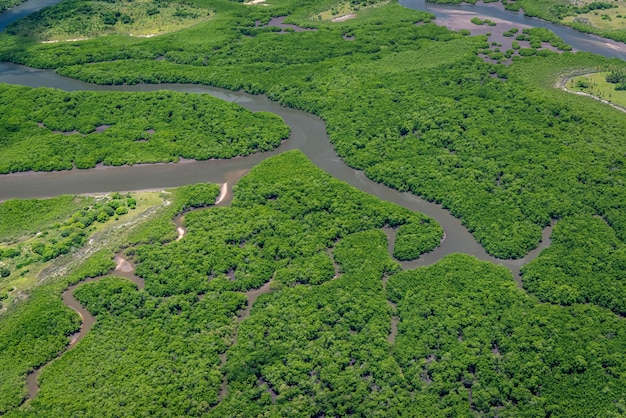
pixel 608 19
pixel 36 252
pixel 75 19
pixel 597 85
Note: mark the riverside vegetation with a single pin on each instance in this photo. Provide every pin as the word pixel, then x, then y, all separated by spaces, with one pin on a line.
pixel 285 213
pixel 604 18
pixel 45 129
pixel 412 105
pixel 469 341
pixel 447 138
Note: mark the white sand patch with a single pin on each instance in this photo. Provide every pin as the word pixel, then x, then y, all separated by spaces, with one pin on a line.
pixel 344 17
pixel 122 265
pixel 66 40
pixel 223 192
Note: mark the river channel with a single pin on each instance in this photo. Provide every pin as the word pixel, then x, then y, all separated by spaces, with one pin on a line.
pixel 308 134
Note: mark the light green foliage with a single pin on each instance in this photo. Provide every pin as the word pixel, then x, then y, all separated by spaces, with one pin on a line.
pixel 285 215
pixel 22 217
pixel 53 239
pixel 79 19
pixel 45 129
pixel 470 342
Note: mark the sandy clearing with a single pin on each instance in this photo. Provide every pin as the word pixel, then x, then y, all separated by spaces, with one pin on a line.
pixel 121 264
pixel 344 17
pixel 222 194
pixel 64 40
pixel 562 85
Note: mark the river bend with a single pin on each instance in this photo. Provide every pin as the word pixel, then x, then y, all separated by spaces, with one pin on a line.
pixel 308 134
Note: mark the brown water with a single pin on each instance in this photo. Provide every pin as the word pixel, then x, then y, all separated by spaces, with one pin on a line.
pixel 308 134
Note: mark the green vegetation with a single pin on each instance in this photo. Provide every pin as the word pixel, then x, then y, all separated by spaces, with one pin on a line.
pixel 320 351
pixel 586 263
pixel 61 237
pixel 471 343
pixel 7 4
pixel 285 215
pixel 477 21
pixel 35 331
pixel 79 19
pixel 143 352
pixel 507 170
pixel 285 212
pixel 604 18
pixel 20 217
pixel 416 108
pixel 609 86
pixel 182 199
pixel 45 129
pixel 49 235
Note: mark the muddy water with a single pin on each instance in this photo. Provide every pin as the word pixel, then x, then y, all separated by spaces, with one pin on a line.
pixel 436 255
pixel 308 134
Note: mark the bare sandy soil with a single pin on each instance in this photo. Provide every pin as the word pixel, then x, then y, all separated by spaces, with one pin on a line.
pixel 344 17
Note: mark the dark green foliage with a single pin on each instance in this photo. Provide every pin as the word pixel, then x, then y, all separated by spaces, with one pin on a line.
pixel 586 263
pixel 616 75
pixel 415 108
pixel 7 4
pixel 183 199
pixel 31 335
pixel 469 343
pixel 47 129
pixel 320 351
pixel 477 21
pixel 285 215
pixel 563 10
pixel 146 356
pixel 503 156
pixel 411 242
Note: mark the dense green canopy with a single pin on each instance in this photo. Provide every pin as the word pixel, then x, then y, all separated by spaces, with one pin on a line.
pixel 412 105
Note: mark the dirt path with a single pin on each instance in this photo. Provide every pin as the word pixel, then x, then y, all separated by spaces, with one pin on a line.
pixel 562 83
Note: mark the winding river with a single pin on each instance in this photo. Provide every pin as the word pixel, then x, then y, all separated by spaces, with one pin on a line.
pixel 308 134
